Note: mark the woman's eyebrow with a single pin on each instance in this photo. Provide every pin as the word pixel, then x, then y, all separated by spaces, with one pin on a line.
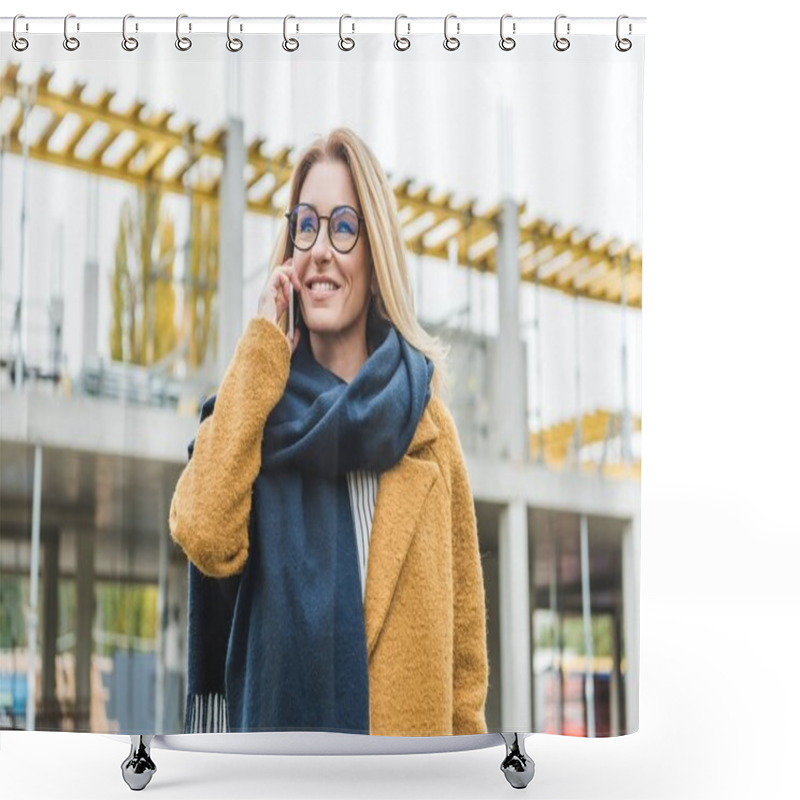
pixel 338 205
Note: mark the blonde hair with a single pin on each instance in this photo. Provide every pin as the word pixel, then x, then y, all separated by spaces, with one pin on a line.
pixel 394 300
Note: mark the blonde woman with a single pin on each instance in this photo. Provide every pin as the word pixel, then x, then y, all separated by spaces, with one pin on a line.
pixel 335 577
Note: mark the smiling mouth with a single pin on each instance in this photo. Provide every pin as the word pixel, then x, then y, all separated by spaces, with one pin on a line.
pixel 319 290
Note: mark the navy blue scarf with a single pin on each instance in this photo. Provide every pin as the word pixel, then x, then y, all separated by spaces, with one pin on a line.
pixel 282 646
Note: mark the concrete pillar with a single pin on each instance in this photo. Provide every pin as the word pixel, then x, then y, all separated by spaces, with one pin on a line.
pixel 577 438
pixel 84 591
pixel 175 644
pixel 588 640
pixel 50 711
pixel 515 618
pixel 231 246
pixel 555 608
pixel 91 276
pixel 617 693
pixel 21 316
pixel 562 683
pixel 539 386
pixel 627 429
pixel 33 599
pixel 631 547
pixel 510 441
pixel 509 384
pixel 492 586
pixel 162 604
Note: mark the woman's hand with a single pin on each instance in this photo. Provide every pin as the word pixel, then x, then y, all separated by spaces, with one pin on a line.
pixel 274 299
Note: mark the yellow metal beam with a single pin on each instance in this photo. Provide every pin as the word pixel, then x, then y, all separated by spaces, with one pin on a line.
pixel 556 257
pixel 557 441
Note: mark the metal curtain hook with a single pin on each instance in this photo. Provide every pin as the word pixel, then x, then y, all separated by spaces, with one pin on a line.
pixel 129 43
pixel 506 42
pixel 290 45
pixel 345 43
pixel 561 43
pixel 623 45
pixel 233 44
pixel 70 42
pixel 401 43
pixel 182 42
pixel 451 42
pixel 19 43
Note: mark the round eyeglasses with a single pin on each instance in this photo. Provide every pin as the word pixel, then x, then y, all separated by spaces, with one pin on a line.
pixel 344 224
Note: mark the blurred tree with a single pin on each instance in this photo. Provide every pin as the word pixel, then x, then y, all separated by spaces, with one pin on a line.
pixel 120 281
pixel 572 632
pixel 161 286
pixel 128 610
pixel 199 323
pixel 143 296
pixel 12 613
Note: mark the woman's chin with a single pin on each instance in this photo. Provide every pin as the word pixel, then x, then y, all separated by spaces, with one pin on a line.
pixel 318 324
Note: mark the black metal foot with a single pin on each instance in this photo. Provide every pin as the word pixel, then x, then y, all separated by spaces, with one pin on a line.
pixel 517 766
pixel 138 768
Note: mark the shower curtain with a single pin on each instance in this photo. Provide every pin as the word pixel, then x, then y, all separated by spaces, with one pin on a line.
pixel 476 568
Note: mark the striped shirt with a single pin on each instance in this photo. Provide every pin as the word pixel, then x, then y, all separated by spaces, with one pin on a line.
pixel 363 487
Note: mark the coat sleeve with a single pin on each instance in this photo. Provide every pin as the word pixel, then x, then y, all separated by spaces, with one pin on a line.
pixel 470 658
pixel 210 507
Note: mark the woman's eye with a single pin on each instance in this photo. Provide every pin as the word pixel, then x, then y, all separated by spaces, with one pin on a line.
pixel 344 227
pixel 307 225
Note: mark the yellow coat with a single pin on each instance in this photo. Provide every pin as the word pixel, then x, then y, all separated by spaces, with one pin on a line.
pixel 424 606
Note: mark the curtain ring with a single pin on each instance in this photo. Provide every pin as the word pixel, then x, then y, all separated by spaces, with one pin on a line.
pixel 623 45
pixel 233 44
pixel 561 43
pixel 345 43
pixel 129 43
pixel 451 42
pixel 183 43
pixel 506 42
pixel 19 43
pixel 70 42
pixel 401 42
pixel 290 45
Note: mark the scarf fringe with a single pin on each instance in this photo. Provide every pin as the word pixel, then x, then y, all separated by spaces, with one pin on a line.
pixel 208 713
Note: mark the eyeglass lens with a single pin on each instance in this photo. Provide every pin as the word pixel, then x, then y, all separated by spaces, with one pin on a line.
pixel 342 227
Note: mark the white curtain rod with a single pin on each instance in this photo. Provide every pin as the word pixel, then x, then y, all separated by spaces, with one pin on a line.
pixel 407 25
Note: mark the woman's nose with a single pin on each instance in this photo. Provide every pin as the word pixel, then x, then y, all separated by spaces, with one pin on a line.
pixel 322 247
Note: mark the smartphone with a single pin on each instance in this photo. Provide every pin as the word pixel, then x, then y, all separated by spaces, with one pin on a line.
pixel 294 313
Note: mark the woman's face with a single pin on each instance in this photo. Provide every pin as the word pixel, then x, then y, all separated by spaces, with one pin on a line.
pixel 339 310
